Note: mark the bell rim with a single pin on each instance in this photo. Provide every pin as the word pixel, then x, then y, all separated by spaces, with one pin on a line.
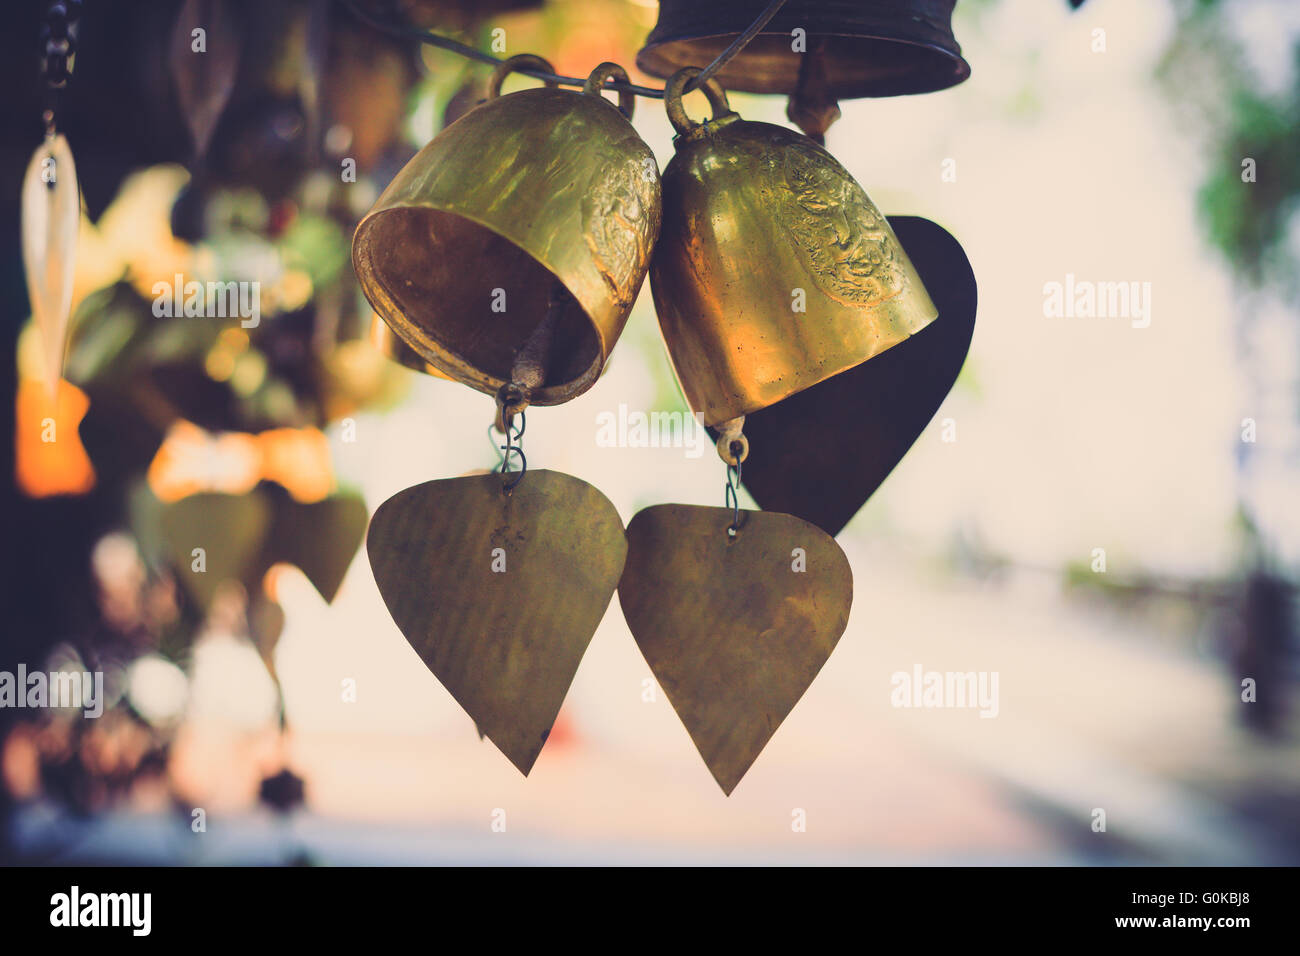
pixel 653 60
pixel 435 352
pixel 385 340
pixel 714 413
pixel 718 413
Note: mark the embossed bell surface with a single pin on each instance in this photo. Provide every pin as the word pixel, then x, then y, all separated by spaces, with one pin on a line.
pixel 773 270
pixel 500 594
pixel 877 48
pixel 528 192
pixel 734 629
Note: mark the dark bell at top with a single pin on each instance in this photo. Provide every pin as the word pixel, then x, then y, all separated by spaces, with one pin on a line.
pixel 848 49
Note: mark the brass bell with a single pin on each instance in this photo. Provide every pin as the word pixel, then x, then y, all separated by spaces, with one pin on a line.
pixel 774 270
pixel 815 51
pixel 533 213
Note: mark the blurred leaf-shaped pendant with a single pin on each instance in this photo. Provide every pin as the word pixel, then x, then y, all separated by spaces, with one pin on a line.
pixel 212 538
pixel 500 591
pixel 320 538
pixel 203 60
pixel 51 208
pixel 734 628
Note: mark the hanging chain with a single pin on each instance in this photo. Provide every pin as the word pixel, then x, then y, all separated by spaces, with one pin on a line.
pixel 733 449
pixel 510 405
pixel 461 49
pixel 732 494
pixel 58 38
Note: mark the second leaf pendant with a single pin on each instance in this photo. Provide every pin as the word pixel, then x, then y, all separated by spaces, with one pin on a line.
pixel 735 626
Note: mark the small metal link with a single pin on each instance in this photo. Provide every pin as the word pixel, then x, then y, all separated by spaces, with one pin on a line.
pixel 510 447
pixel 732 495
pixel 509 407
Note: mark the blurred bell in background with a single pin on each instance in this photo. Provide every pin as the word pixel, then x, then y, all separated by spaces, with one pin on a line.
pixel 816 52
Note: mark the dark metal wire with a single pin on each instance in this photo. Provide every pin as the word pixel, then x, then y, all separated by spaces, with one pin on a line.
pixel 492 433
pixel 737 45
pixel 732 496
pixel 461 49
pixel 511 446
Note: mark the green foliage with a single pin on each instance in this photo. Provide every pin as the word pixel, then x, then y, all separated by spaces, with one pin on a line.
pixel 1247 221
pixel 317 245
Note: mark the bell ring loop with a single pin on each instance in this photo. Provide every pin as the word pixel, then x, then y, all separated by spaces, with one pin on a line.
pixel 511 399
pixel 733 448
pixel 522 61
pixel 596 82
pixel 676 86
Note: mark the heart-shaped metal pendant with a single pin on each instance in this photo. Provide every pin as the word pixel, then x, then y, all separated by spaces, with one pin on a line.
pixel 734 628
pixel 500 593
pixel 821 453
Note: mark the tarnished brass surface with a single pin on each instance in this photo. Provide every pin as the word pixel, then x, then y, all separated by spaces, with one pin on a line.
pixel 758 221
pixel 505 643
pixel 526 189
pixel 822 453
pixel 732 631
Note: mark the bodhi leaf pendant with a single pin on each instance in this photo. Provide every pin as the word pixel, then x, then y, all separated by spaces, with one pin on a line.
pixel 500 593
pixel 734 627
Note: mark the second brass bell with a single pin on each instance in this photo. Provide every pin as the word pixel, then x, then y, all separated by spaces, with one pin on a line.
pixel 541 205
pixel 774 270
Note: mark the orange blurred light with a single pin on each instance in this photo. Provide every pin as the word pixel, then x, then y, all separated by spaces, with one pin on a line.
pixel 192 460
pixel 49 457
pixel 299 459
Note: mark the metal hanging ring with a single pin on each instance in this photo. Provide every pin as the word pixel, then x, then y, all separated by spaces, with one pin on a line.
pixel 676 86
pixel 596 82
pixel 511 400
pixel 733 451
pixel 528 61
